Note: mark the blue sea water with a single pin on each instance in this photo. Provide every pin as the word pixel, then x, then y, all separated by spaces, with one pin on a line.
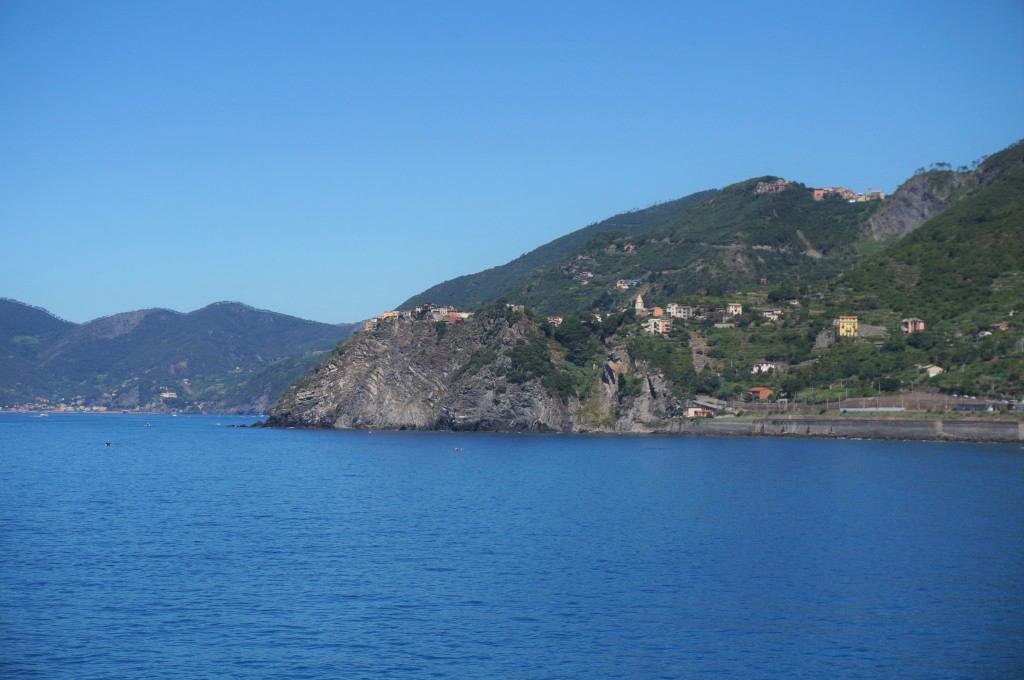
pixel 190 549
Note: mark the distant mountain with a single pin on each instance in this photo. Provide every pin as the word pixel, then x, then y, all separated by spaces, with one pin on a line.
pixel 224 357
pixel 477 289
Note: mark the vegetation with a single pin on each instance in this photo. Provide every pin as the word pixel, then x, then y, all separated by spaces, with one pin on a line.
pixel 962 272
pixel 478 289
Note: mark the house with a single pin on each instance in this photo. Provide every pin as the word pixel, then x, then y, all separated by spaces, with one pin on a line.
pixel 657 312
pixel 679 311
pixel 555 321
pixel 629 248
pixel 654 326
pixel 1002 326
pixel 848 326
pixel 911 325
pixel 388 315
pixel 515 308
pixel 626 284
pixel 761 393
pixel 772 314
pixel 763 367
pixel 930 370
pixel 775 187
pixel 370 324
pixel 983 334
pixel 699 412
pixel 734 309
pixel 820 194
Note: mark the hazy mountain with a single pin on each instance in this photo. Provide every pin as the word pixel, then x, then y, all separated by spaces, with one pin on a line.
pixel 226 356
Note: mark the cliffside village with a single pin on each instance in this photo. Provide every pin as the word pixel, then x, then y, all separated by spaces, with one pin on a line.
pixel 779 185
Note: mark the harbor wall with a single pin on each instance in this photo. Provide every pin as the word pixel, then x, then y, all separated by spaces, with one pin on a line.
pixel 932 430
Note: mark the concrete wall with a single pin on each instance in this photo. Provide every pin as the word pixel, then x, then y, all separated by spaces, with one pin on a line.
pixel 955 430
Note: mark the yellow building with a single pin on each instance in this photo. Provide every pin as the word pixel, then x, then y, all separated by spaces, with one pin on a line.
pixel 848 327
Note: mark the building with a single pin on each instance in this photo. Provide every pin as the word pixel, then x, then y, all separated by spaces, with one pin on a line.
pixel 555 321
pixel 820 194
pixel 638 305
pixel 848 327
pixel 775 187
pixel 699 412
pixel 761 393
pixel 654 326
pixel 930 370
pixel 763 367
pixel 911 325
pixel 734 309
pixel 679 311
pixel 657 312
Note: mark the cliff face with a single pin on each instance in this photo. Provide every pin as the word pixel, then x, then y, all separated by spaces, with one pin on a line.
pixel 420 375
pixel 919 199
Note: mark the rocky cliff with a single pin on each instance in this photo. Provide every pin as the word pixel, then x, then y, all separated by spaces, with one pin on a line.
pixel 916 201
pixel 471 375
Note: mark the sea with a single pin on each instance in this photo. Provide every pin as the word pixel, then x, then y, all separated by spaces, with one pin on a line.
pixel 152 546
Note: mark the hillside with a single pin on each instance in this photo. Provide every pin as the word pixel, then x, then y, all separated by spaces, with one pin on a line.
pixel 970 256
pixel 473 290
pixel 735 240
pixel 742 298
pixel 224 357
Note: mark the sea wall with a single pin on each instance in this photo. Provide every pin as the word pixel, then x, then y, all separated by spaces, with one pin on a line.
pixel 952 430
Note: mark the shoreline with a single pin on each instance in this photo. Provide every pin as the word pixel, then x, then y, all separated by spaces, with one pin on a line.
pixel 804 427
pixel 859 426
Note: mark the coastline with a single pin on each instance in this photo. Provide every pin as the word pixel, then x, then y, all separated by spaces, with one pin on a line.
pixel 807 427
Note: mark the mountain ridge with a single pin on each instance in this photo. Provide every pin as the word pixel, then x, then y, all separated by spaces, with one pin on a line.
pixel 129 359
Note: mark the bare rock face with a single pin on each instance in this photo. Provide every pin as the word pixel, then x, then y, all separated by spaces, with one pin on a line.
pixel 919 199
pixel 420 375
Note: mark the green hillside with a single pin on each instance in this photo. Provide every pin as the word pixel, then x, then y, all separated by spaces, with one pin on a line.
pixel 796 265
pixel 969 258
pixel 477 289
pixel 732 241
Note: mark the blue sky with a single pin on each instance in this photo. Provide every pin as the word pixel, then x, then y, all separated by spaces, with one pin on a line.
pixel 330 159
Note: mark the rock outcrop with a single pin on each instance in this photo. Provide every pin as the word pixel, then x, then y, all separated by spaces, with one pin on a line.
pixel 916 201
pixel 409 374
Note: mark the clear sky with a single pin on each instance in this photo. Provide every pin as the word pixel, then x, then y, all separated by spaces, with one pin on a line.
pixel 330 159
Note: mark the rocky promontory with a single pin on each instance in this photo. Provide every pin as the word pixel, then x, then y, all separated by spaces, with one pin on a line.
pixel 494 371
